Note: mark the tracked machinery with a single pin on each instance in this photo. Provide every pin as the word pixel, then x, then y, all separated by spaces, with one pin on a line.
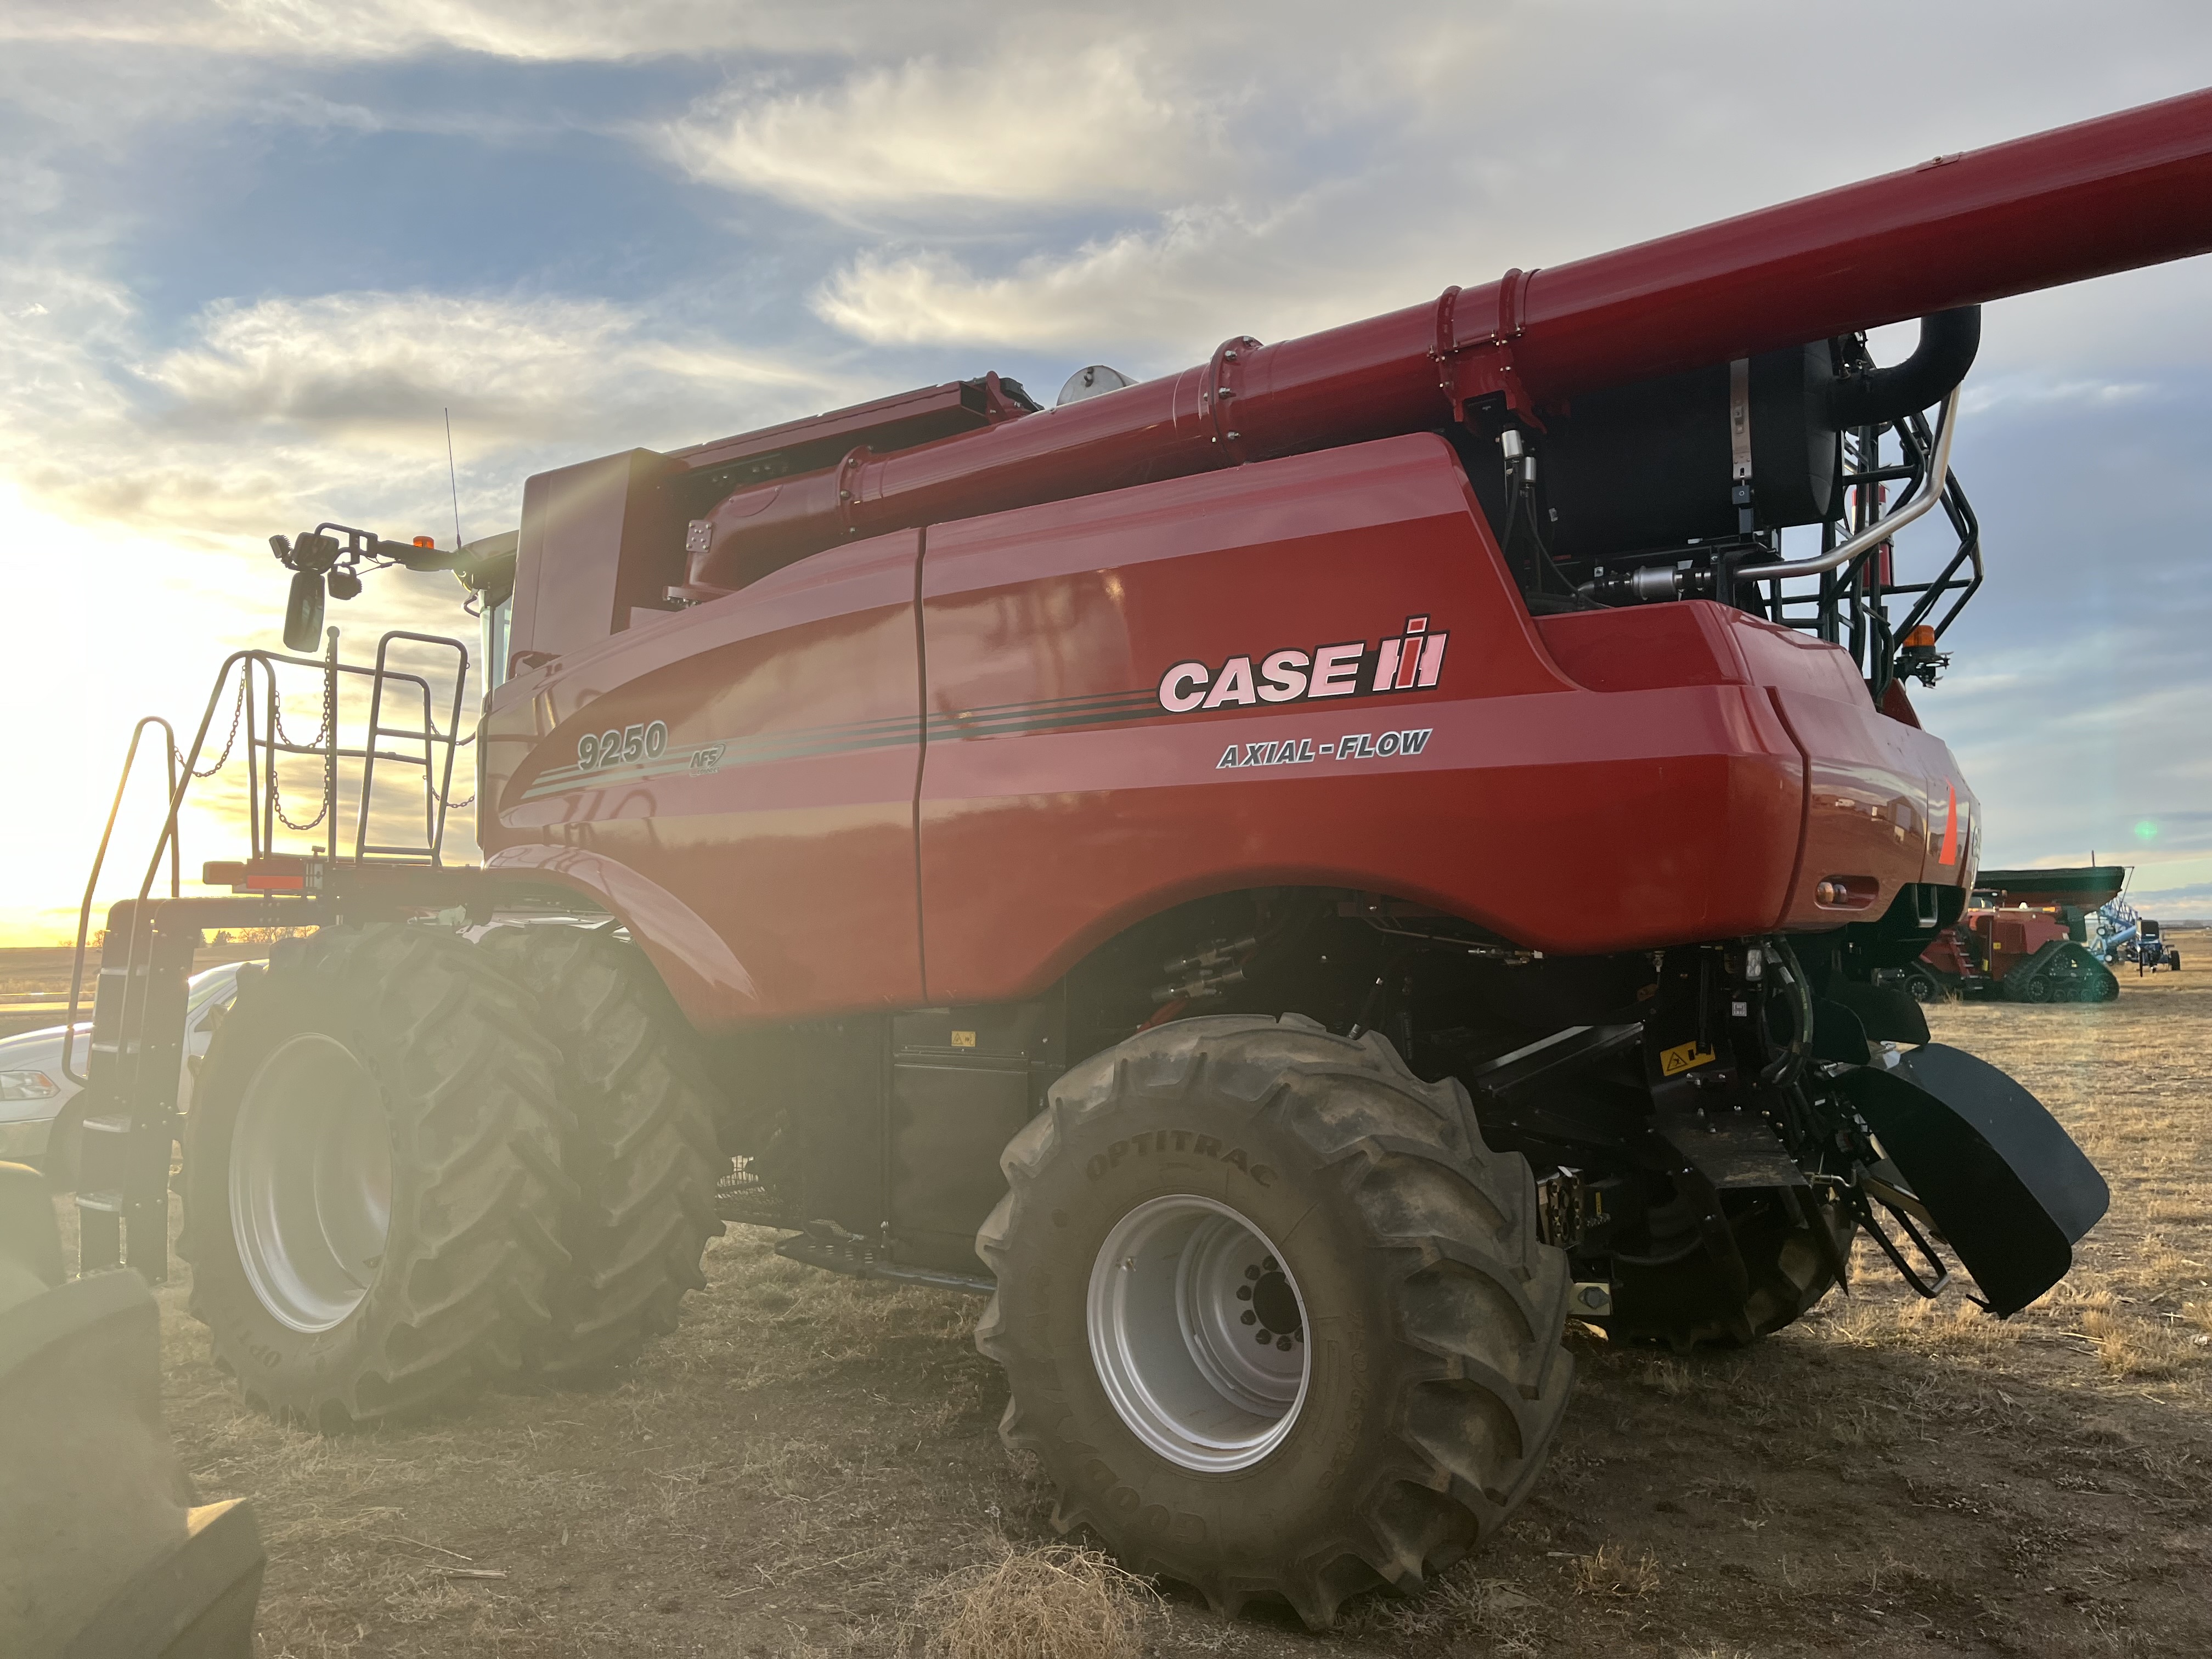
pixel 2024 937
pixel 1295 880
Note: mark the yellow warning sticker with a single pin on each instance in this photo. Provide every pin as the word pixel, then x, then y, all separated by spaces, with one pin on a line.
pixel 1683 1057
pixel 967 1039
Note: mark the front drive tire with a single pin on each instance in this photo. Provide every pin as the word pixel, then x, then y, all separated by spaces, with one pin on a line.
pixel 372 1177
pixel 1689 1303
pixel 641 1147
pixel 1406 1373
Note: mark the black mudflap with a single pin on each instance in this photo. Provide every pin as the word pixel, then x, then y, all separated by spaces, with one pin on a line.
pixel 2008 1187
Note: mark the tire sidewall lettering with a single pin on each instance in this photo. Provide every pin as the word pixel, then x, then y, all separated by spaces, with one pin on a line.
pixel 1271 1179
pixel 1169 1142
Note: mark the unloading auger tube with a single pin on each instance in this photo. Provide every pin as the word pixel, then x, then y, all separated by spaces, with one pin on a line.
pixel 1294 880
pixel 1957 231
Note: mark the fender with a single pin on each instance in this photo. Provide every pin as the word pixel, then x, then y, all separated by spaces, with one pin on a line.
pixel 2009 1190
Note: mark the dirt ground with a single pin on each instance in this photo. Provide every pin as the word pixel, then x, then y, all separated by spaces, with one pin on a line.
pixel 801 1466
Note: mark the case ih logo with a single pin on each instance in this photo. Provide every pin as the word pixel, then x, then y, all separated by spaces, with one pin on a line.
pixel 1411 662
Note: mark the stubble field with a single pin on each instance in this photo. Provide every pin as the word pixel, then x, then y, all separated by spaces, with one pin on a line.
pixel 810 1466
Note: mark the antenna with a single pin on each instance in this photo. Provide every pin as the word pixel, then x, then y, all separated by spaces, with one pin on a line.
pixel 453 478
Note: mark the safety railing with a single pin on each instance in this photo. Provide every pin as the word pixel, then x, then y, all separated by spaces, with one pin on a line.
pixel 1849 604
pixel 256 712
pixel 99 860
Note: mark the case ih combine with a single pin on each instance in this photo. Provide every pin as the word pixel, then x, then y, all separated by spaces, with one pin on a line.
pixel 1296 878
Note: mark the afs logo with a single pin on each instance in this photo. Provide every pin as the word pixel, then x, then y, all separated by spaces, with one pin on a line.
pixel 1412 661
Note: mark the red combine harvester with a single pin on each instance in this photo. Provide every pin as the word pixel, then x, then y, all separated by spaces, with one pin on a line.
pixel 1295 879
pixel 2024 937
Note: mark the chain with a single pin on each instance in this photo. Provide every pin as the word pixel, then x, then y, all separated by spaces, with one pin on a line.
pixel 330 754
pixel 237 713
pixel 457 743
pixel 276 801
pixel 330 760
pixel 315 742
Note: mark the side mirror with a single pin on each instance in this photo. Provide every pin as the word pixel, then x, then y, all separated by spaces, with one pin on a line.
pixel 303 612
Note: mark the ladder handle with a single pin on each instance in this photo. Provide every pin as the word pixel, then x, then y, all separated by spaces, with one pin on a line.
pixel 99 858
pixel 179 783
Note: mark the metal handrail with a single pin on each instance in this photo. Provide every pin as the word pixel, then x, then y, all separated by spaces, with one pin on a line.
pixel 99 858
pixel 260 811
pixel 1932 486
pixel 433 809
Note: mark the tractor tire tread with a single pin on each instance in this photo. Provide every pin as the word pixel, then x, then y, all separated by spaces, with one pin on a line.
pixel 642 1153
pixel 1789 1274
pixel 1478 1303
pixel 453 1048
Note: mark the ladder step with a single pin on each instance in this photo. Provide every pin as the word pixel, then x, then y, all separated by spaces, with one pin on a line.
pixel 107 1126
pixel 104 1203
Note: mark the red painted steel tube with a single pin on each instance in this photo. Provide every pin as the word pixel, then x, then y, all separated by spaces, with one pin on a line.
pixel 2112 194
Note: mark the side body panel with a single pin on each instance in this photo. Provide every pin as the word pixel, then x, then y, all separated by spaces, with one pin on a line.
pixel 761 844
pixel 1309 671
pixel 1063 797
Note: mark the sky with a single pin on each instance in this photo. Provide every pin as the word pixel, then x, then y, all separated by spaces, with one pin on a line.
pixel 252 253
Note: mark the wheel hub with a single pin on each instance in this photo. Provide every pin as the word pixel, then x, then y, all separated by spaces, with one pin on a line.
pixel 311 1182
pixel 1198 1332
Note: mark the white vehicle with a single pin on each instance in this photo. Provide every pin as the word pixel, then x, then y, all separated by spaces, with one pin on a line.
pixel 37 1124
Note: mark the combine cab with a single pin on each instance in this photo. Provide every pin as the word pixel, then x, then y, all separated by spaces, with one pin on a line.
pixel 1293 880
pixel 2024 937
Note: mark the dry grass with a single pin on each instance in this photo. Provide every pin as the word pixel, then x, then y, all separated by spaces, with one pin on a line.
pixel 1607 1571
pixel 810 1468
pixel 1049 1602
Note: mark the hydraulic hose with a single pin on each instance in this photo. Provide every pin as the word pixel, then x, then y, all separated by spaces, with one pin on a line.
pixel 1949 341
pixel 1785 1065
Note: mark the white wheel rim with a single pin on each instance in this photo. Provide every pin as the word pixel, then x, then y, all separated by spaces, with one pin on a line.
pixel 311 1182
pixel 1209 1378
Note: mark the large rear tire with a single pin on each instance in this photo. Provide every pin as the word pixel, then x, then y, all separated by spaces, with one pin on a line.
pixel 641 1149
pixel 1406 1373
pixel 372 1177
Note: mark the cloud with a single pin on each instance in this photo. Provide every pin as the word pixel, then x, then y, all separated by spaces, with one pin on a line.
pixel 566 29
pixel 542 31
pixel 1144 288
pixel 362 369
pixel 2192 901
pixel 334 404
pixel 911 138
